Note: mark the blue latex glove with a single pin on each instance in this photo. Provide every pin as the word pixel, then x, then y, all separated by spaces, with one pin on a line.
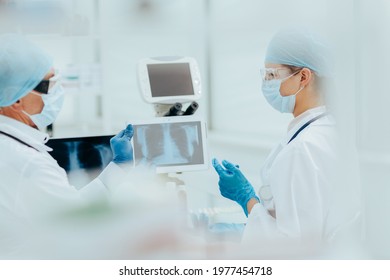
pixel 233 184
pixel 121 147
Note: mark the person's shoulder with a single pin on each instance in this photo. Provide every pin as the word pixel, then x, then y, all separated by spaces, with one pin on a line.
pixel 19 154
pixel 23 162
pixel 316 142
pixel 13 150
pixel 318 135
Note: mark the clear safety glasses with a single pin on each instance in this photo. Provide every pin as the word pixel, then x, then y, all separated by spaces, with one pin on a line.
pixel 45 85
pixel 268 74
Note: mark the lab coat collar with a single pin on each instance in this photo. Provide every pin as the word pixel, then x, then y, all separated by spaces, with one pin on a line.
pixel 25 133
pixel 303 118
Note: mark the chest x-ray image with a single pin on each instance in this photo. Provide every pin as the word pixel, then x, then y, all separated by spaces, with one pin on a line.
pixel 82 158
pixel 168 144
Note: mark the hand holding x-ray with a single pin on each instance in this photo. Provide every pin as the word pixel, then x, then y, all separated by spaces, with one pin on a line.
pixel 121 147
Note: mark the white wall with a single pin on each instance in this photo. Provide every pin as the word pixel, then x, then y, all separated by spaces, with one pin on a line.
pixel 373 44
pixel 130 31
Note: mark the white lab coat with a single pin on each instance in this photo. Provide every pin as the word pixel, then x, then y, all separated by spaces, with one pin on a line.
pixel 304 194
pixel 33 185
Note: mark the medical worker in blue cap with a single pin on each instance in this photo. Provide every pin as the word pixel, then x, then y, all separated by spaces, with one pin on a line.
pixel 298 197
pixel 32 184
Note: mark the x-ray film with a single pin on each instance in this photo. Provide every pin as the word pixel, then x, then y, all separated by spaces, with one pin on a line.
pixel 83 158
pixel 177 146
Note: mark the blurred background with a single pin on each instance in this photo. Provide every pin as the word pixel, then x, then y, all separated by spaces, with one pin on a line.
pixel 97 44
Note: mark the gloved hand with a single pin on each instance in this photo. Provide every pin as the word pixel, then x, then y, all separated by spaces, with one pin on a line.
pixel 121 146
pixel 233 184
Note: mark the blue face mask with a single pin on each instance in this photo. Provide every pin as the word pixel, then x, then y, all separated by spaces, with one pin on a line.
pixel 271 92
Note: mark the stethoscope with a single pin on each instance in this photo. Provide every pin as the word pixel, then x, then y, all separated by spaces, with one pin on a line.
pixel 265 190
pixel 18 140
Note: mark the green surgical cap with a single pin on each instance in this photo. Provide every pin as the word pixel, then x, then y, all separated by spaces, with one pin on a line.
pixel 300 48
pixel 22 66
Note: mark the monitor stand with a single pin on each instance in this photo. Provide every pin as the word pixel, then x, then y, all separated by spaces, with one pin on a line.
pixel 173 183
pixel 161 109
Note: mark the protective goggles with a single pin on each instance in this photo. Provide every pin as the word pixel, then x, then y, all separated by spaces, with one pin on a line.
pixel 45 85
pixel 268 74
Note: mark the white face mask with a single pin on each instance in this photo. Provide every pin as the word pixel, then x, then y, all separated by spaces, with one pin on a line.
pixel 271 91
pixel 53 102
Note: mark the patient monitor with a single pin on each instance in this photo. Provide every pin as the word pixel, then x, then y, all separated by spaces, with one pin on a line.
pixel 168 80
pixel 175 141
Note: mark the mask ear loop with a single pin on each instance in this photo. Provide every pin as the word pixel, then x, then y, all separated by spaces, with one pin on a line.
pixel 293 74
pixel 299 90
pixel 36 94
pixel 302 87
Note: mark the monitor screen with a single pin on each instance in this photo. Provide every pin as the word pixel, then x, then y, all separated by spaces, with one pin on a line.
pixel 83 158
pixel 170 79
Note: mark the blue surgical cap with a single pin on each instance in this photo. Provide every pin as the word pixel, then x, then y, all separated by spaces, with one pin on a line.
pixel 22 66
pixel 300 48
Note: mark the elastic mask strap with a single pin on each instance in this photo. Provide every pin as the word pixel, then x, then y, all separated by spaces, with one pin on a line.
pixel 299 90
pixel 27 114
pixel 37 94
pixel 285 79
